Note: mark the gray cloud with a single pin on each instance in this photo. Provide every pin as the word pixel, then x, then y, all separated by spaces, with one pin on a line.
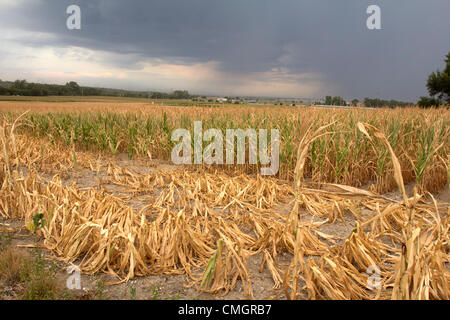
pixel 325 37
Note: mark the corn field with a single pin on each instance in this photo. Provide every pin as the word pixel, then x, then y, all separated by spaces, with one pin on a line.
pixel 207 222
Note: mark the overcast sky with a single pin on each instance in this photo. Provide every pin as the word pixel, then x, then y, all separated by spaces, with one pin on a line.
pixel 282 48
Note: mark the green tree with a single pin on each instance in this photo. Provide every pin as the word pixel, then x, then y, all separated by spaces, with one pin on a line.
pixel 20 84
pixel 426 102
pixel 338 101
pixel 439 82
pixel 73 88
pixel 334 101
pixel 180 94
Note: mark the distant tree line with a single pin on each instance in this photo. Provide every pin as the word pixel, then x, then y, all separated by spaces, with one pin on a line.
pixel 177 94
pixel 24 88
pixel 368 103
pixel 427 102
pixel 378 103
pixel 335 101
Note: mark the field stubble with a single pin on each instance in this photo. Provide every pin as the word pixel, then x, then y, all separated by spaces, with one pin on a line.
pixel 312 228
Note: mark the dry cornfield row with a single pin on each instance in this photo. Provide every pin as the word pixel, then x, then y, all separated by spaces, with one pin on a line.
pixel 420 138
pixel 207 225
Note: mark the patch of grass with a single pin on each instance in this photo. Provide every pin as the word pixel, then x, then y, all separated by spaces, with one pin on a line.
pixel 100 289
pixel 14 265
pixel 30 277
pixel 155 293
pixel 6 238
pixel 132 293
pixel 40 280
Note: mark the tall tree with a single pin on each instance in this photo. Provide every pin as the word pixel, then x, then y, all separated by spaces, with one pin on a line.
pixel 20 84
pixel 439 82
pixel 73 88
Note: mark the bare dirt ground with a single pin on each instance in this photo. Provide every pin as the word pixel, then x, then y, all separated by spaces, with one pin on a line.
pixel 161 286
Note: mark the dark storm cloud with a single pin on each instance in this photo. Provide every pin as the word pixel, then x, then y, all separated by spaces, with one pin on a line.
pixel 326 37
